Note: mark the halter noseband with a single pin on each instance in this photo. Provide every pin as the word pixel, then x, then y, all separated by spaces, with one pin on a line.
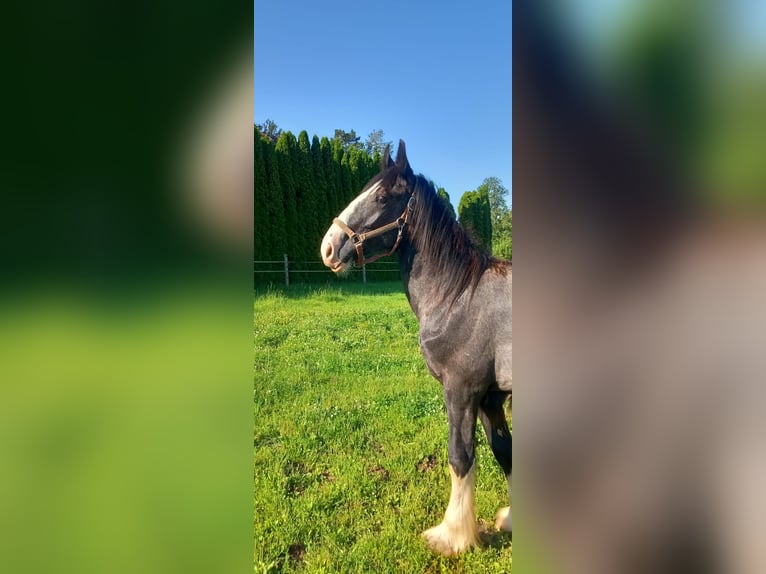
pixel 358 238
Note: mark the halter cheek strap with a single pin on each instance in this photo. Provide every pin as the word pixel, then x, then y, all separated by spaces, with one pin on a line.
pixel 358 239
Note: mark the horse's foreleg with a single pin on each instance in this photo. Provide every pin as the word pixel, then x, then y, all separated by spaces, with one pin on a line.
pixel 458 530
pixel 495 425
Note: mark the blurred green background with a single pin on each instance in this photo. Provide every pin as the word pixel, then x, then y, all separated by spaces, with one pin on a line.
pixel 123 433
pixel 125 288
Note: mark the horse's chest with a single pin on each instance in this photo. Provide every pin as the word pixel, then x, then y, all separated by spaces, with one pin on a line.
pixel 455 352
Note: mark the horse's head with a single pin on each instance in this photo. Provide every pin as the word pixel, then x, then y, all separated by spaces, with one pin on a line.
pixel 371 225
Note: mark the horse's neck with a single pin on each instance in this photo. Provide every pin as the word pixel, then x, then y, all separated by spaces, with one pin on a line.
pixel 421 283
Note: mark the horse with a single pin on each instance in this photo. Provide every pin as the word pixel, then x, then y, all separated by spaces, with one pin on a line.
pixel 461 297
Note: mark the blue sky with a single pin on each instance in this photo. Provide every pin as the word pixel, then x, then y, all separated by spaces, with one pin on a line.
pixel 434 74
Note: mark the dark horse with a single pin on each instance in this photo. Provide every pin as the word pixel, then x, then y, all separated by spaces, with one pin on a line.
pixel 462 299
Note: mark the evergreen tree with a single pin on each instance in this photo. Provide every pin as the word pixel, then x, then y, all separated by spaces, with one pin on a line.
pixel 305 197
pixel 340 185
pixel 375 167
pixel 260 193
pixel 466 210
pixel 347 184
pixel 273 208
pixel 474 214
pixel 331 178
pixel 372 164
pixel 442 193
pixel 286 151
pixel 320 181
pixel 355 165
pixel 485 217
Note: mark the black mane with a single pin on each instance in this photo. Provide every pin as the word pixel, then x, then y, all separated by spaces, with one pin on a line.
pixel 456 258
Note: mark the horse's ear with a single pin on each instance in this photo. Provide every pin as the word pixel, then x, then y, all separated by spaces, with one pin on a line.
pixel 401 158
pixel 386 161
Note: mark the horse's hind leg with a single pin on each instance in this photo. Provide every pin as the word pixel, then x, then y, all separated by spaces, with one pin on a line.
pixel 495 425
pixel 458 530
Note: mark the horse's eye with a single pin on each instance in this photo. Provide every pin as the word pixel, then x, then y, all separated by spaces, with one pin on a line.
pixel 382 198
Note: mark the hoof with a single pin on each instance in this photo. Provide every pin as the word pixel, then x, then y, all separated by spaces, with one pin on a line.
pixel 450 541
pixel 503 519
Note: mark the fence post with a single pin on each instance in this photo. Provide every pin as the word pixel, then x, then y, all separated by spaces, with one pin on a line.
pixel 287 272
pixel 364 273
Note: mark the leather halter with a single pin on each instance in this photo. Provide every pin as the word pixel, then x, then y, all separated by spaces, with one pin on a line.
pixel 358 239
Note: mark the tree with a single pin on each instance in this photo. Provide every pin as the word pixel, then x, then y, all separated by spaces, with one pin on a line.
pixel 374 144
pixel 305 199
pixel 320 180
pixel 475 216
pixel 375 163
pixel 270 130
pixel 442 193
pixel 358 165
pixel 286 151
pixel 260 194
pixel 340 180
pixel 500 215
pixel 497 193
pixel 347 190
pixel 347 139
pixel 485 217
pixel 502 237
pixel 331 178
pixel 273 208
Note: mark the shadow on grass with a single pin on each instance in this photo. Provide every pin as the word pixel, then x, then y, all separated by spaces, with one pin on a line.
pixel 496 539
pixel 490 539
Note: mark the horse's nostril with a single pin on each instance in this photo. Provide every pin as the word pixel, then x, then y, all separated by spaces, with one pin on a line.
pixel 328 250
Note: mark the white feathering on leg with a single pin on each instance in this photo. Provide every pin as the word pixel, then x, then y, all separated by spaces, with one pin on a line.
pixel 503 519
pixel 458 530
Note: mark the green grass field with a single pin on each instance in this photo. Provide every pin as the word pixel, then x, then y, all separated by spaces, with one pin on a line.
pixel 350 439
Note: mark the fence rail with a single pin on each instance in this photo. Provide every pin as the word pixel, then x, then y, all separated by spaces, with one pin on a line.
pixel 288 267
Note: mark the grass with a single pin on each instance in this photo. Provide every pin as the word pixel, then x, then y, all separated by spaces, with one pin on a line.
pixel 350 439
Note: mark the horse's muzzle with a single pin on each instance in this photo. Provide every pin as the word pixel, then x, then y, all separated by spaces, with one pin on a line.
pixel 330 248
